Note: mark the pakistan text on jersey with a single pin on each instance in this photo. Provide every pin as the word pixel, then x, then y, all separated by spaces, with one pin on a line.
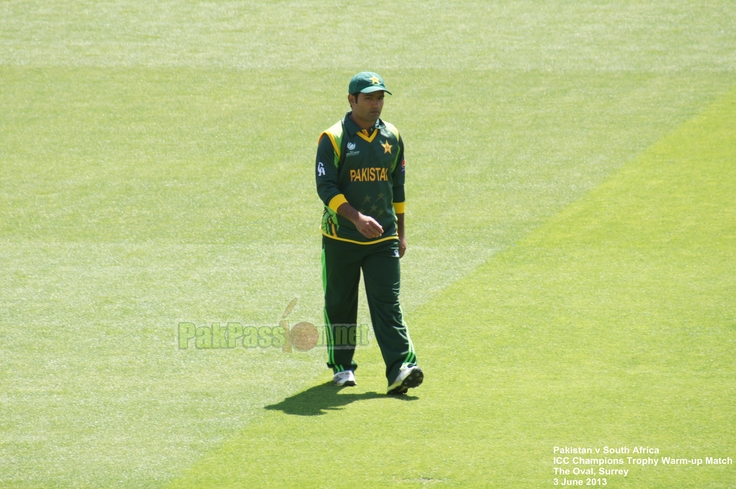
pixel 369 175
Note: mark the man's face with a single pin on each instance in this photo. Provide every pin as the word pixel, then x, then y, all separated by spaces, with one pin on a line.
pixel 367 108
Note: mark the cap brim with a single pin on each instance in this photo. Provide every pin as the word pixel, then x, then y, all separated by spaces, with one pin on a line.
pixel 375 89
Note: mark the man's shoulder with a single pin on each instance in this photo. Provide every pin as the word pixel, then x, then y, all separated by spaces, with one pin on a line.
pixel 334 134
pixel 391 128
pixel 335 130
pixel 337 127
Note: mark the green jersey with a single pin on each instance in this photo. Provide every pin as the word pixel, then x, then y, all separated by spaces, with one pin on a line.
pixel 365 168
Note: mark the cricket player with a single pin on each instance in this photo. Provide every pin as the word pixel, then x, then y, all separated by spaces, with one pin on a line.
pixel 360 179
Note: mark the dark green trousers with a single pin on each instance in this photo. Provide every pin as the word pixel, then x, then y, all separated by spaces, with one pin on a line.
pixel 342 263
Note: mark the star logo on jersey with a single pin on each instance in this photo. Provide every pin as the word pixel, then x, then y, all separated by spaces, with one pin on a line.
pixel 386 147
pixel 375 80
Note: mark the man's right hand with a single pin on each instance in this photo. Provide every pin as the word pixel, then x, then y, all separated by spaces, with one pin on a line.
pixel 367 226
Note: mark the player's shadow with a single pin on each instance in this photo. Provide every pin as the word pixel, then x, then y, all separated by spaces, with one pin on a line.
pixel 326 397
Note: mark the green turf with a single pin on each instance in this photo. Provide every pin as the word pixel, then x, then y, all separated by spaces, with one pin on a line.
pixel 612 325
pixel 156 167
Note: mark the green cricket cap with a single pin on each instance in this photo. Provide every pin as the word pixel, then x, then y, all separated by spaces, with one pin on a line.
pixel 367 82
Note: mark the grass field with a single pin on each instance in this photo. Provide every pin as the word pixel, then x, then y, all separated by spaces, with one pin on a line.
pixel 570 279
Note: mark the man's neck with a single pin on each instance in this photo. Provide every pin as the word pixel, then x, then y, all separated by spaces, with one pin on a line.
pixel 362 124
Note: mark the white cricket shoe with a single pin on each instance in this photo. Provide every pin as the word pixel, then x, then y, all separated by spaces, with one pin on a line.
pixel 344 379
pixel 408 378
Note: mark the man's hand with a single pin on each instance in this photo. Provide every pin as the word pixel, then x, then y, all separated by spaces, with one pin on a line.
pixel 367 226
pixel 402 235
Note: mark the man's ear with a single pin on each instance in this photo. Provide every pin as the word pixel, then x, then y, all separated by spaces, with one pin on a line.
pixel 351 99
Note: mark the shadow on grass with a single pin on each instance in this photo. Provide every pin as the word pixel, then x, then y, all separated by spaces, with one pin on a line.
pixel 320 399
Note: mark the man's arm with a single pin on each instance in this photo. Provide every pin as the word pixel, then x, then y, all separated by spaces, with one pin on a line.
pixel 400 198
pixel 326 172
pixel 402 236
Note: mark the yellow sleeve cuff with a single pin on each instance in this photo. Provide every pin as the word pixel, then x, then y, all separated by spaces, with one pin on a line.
pixel 399 207
pixel 336 202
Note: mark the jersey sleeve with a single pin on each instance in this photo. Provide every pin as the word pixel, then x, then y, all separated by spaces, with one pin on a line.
pixel 326 174
pixel 398 180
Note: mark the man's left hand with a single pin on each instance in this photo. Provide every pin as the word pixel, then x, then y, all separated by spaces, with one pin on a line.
pixel 402 247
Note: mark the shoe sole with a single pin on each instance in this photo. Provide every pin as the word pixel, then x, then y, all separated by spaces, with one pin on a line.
pixel 414 379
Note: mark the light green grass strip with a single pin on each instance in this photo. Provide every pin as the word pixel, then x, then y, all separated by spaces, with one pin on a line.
pixel 614 324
